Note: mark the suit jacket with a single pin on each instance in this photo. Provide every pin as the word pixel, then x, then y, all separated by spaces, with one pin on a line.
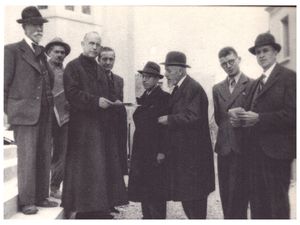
pixel 276 105
pixel 23 84
pixel 121 122
pixel 229 139
pixel 191 155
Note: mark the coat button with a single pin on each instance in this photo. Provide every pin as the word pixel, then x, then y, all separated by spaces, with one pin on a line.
pixel 37 98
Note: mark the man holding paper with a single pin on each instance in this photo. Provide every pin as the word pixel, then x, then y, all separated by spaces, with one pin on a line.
pixel 57 50
pixel 231 93
pixel 270 116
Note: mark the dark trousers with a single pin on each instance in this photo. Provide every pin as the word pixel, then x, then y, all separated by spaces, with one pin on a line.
pixel 60 141
pixel 196 209
pixel 233 184
pixel 270 180
pixel 34 158
pixel 154 209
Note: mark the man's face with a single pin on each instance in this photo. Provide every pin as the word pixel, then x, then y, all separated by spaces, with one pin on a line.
pixel 107 60
pixel 230 64
pixel 149 81
pixel 57 54
pixel 34 31
pixel 173 74
pixel 91 45
pixel 266 56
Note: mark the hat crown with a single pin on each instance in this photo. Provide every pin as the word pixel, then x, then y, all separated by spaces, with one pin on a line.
pixel 30 12
pixel 151 67
pixel 58 41
pixel 265 38
pixel 176 57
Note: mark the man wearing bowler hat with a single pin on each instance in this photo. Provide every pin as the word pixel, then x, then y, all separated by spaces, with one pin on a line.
pixel 28 104
pixel 190 158
pixel 270 117
pixel 147 178
pixel 57 50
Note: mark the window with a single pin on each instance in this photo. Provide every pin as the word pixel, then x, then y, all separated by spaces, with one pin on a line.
pixel 285 36
pixel 42 7
pixel 69 7
pixel 86 9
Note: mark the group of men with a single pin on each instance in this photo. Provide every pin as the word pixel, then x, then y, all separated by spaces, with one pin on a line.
pixel 80 109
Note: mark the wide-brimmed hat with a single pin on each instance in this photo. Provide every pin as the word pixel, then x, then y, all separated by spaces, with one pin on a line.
pixel 32 15
pixel 175 59
pixel 265 39
pixel 58 41
pixel 152 68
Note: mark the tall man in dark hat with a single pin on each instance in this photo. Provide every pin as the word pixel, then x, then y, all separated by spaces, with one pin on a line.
pixel 270 117
pixel 57 50
pixel 93 181
pixel 28 103
pixel 148 174
pixel 190 151
pixel 232 170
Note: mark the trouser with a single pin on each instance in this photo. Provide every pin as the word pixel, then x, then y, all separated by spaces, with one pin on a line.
pixel 233 184
pixel 34 158
pixel 154 209
pixel 60 141
pixel 195 209
pixel 269 183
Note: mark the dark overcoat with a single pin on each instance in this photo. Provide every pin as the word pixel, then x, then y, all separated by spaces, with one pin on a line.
pixel 93 178
pixel 191 167
pixel 147 178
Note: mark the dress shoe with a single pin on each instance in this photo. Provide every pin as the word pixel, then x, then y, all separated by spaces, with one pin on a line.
pixel 29 209
pixel 55 194
pixel 47 204
pixel 114 210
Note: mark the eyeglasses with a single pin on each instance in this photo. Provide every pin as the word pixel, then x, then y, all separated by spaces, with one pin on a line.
pixel 230 62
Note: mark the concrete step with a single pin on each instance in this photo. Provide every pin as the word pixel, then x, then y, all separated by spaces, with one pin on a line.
pixel 10 151
pixel 10 198
pixel 10 169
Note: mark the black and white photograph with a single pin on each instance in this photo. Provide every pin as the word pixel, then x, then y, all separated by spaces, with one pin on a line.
pixel 149 110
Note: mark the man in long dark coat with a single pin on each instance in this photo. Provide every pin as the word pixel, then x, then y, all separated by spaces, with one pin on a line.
pixel 271 136
pixel 93 178
pixel 191 156
pixel 147 178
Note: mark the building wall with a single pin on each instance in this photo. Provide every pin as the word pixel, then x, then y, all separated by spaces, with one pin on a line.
pixel 276 28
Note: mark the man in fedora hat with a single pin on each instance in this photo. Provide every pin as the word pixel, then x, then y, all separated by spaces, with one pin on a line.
pixel 147 178
pixel 232 170
pixel 270 141
pixel 106 59
pixel 191 169
pixel 28 104
pixel 57 50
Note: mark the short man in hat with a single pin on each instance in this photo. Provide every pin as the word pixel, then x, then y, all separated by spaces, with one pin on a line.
pixel 106 59
pixel 147 178
pixel 231 93
pixel 191 169
pixel 270 117
pixel 28 103
pixel 57 50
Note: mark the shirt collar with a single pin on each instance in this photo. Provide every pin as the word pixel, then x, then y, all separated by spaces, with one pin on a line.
pixel 268 72
pixel 29 42
pixel 181 81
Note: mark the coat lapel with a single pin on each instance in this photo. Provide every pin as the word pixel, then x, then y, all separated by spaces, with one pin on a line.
pixel 272 79
pixel 239 88
pixel 178 94
pixel 29 56
pixel 224 90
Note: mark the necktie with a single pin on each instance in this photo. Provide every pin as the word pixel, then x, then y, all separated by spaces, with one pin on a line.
pixel 232 84
pixel 174 90
pixel 37 49
pixel 261 82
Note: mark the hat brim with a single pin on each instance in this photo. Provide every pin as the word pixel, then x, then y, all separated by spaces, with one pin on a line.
pixel 154 74
pixel 275 45
pixel 175 64
pixel 65 45
pixel 33 20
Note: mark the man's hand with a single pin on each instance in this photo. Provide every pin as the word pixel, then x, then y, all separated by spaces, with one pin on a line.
pixel 104 103
pixel 249 118
pixel 163 120
pixel 235 122
pixel 160 158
